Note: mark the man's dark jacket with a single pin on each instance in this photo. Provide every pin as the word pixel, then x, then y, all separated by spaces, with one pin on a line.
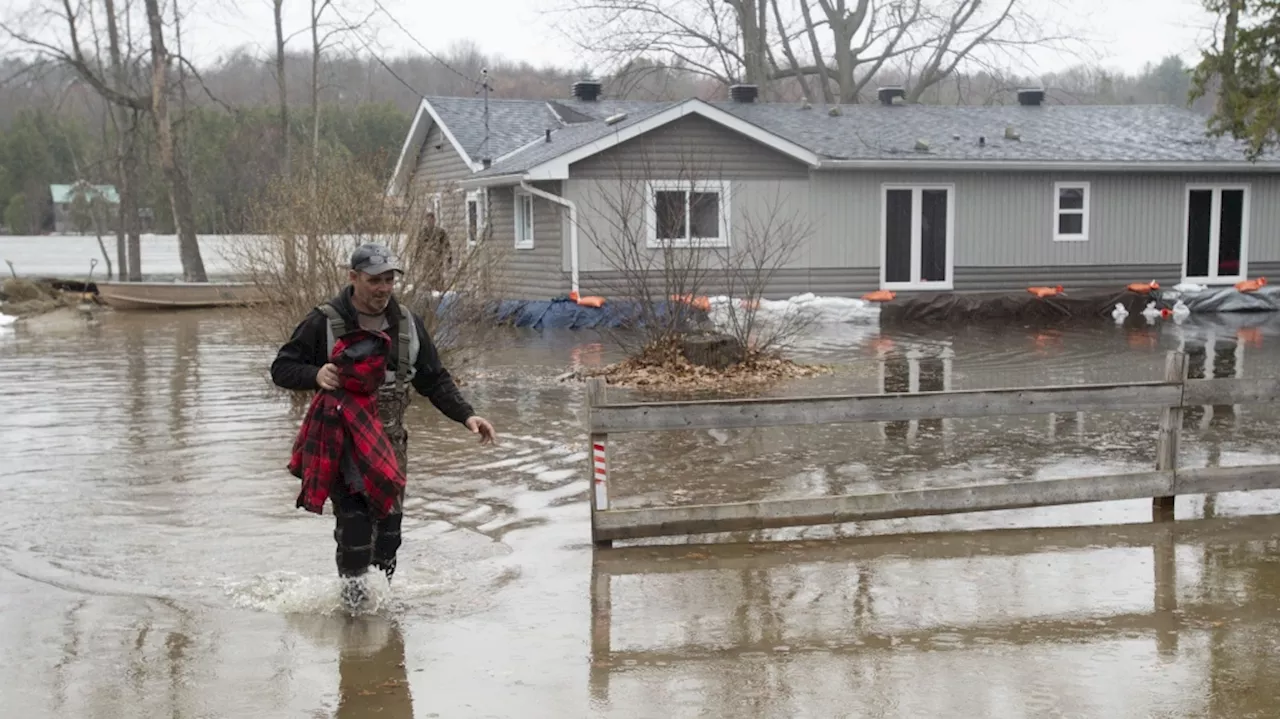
pixel 300 359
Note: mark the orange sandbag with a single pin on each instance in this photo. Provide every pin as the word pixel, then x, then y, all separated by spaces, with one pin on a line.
pixel 1043 292
pixel 1143 289
pixel 592 301
pixel 701 302
pixel 1251 285
pixel 879 296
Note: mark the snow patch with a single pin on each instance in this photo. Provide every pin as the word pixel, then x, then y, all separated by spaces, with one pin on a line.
pixel 807 308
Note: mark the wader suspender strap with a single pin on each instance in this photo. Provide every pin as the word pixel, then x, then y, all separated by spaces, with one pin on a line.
pixel 337 328
pixel 402 356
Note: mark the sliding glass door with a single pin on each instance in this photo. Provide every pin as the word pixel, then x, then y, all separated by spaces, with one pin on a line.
pixel 917 234
pixel 1217 234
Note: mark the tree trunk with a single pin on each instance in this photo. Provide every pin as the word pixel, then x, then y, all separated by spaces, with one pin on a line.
pixel 1227 67
pixel 179 190
pixel 752 25
pixel 286 134
pixel 129 186
pixel 128 244
pixel 313 243
pixel 717 351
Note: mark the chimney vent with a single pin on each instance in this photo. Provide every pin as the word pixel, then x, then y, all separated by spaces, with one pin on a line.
pixel 1030 97
pixel 586 90
pixel 744 92
pixel 548 134
pixel 889 92
pixel 486 162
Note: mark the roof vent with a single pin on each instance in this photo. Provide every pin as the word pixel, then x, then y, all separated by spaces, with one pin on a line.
pixel 487 162
pixel 889 92
pixel 1030 97
pixel 586 90
pixel 615 119
pixel 744 93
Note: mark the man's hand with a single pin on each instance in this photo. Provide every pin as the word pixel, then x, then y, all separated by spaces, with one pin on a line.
pixel 481 426
pixel 328 377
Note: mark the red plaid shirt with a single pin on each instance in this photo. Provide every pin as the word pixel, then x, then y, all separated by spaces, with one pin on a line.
pixel 349 411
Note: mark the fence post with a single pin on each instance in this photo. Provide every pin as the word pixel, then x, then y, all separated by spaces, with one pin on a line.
pixel 597 457
pixel 1175 370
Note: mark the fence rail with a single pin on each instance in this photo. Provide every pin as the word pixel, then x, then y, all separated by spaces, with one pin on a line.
pixel 1174 394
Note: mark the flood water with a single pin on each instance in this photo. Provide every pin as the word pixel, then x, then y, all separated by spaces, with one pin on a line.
pixel 152 562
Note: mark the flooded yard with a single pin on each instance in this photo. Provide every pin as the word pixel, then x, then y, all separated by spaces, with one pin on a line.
pixel 152 562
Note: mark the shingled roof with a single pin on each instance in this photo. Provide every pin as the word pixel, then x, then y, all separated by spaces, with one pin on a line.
pixel 928 134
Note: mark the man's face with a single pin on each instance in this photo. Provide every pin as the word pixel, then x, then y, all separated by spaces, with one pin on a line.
pixel 372 292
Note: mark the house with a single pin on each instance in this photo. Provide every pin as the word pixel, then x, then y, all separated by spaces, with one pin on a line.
pixel 72 218
pixel 898 196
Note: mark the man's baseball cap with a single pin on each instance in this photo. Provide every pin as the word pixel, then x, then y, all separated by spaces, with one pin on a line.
pixel 374 259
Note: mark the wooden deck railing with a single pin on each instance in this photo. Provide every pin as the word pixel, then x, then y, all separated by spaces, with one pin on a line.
pixel 1162 484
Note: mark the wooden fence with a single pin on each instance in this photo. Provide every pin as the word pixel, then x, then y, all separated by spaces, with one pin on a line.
pixel 1163 483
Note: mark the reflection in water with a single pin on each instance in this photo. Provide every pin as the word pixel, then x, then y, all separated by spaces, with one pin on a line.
pixel 1115 622
pixel 1211 355
pixel 915 369
pixel 136 389
pixel 372 678
pixel 1050 615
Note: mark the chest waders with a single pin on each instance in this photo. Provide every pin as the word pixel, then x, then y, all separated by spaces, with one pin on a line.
pixel 362 540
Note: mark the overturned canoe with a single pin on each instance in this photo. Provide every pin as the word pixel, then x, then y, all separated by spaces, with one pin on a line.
pixel 178 295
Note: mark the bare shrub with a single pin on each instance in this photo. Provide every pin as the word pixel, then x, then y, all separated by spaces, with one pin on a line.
pixel 692 254
pixel 309 230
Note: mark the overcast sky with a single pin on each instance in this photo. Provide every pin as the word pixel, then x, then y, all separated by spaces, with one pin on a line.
pixel 1128 33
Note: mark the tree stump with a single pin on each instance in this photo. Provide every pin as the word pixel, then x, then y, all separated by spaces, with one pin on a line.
pixel 716 351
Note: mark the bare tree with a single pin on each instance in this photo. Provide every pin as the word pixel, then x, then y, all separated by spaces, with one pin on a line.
pixel 167 148
pixel 282 82
pixel 690 258
pixel 325 33
pixel 125 122
pixel 454 291
pixel 153 100
pixel 847 43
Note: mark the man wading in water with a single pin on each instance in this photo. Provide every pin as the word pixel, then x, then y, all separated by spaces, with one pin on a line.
pixel 303 363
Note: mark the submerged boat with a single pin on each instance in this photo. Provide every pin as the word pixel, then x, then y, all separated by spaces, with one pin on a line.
pixel 178 295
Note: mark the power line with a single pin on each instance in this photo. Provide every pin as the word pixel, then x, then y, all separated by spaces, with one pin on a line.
pixel 425 49
pixel 375 56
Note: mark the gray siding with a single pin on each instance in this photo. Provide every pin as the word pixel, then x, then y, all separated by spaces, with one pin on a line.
pixel 1006 219
pixel 762 212
pixel 1017 279
pixel 691 146
pixel 533 273
pixel 436 168
pixel 839 282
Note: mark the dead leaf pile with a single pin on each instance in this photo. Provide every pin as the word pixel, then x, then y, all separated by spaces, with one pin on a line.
pixel 676 374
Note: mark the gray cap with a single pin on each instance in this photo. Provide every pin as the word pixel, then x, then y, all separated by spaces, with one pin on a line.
pixel 374 259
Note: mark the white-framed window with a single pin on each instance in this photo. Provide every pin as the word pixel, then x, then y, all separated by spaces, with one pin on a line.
pixel 477 215
pixel 688 214
pixel 1070 211
pixel 524 220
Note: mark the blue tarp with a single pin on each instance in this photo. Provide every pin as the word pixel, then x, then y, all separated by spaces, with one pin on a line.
pixel 563 313
pixel 567 314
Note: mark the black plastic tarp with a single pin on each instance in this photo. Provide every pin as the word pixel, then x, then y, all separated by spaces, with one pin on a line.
pixel 1025 307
